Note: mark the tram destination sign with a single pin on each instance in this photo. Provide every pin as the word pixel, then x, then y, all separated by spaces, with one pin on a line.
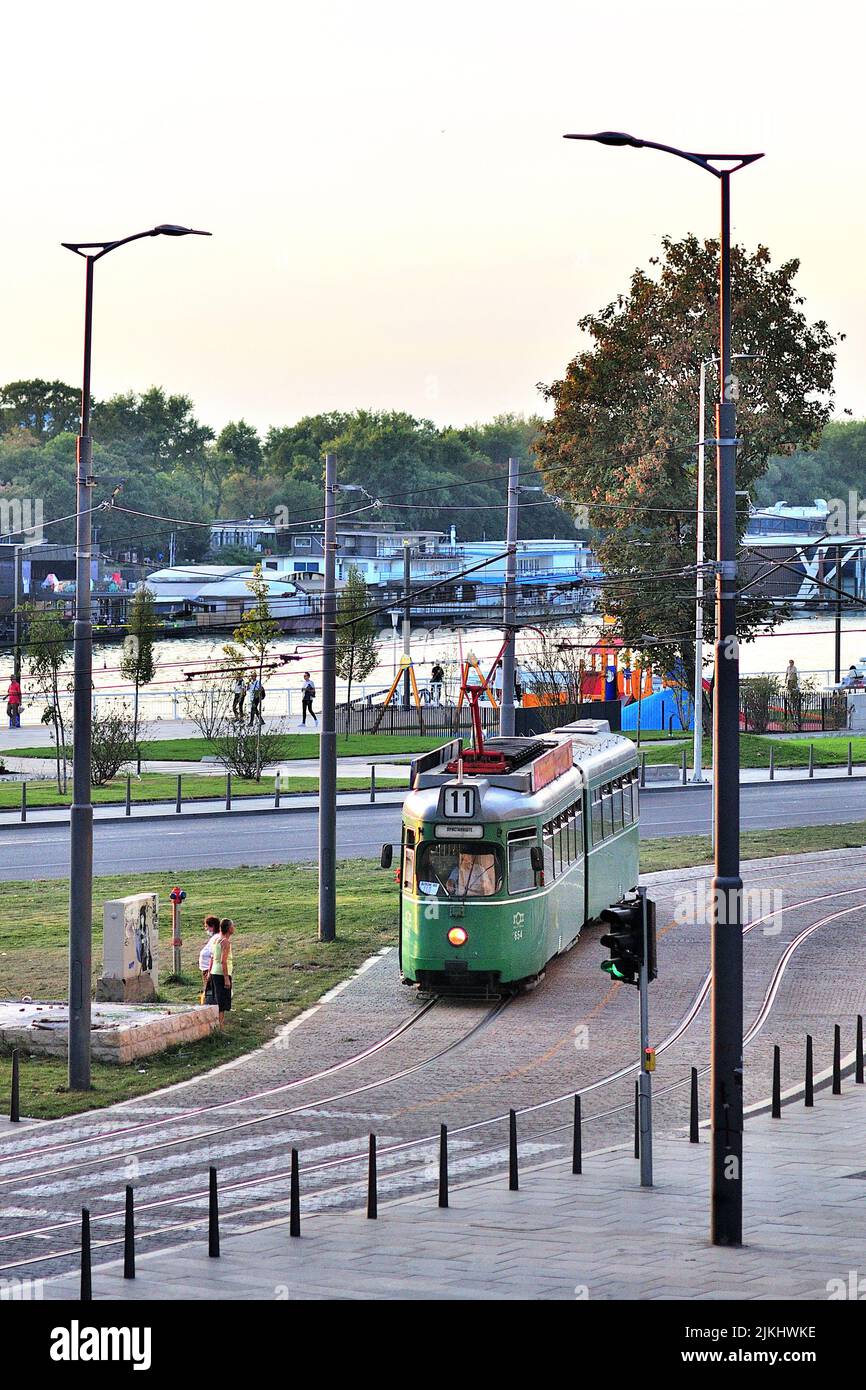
pixel 460 831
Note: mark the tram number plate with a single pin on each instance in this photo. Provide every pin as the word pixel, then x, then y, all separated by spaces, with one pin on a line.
pixel 458 803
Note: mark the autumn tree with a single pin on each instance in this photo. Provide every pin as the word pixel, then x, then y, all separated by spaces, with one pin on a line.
pixel 137 662
pixel 47 645
pixel 252 643
pixel 624 427
pixel 357 654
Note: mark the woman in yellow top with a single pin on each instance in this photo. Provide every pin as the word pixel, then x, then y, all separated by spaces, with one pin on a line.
pixel 221 966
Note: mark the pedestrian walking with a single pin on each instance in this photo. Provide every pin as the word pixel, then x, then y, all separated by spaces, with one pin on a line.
pixel 308 690
pixel 219 975
pixel 256 693
pixel 205 955
pixel 437 676
pixel 239 695
pixel 13 703
pixel 792 678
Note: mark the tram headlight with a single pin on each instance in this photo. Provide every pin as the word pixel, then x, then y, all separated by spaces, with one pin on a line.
pixel 458 936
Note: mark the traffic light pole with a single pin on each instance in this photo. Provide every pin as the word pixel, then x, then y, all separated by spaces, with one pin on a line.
pixel 645 1113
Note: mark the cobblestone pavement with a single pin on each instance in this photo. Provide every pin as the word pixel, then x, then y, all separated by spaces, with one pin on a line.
pixel 596 1236
pixel 458 1063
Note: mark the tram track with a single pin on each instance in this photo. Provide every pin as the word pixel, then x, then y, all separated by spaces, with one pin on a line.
pixel 321 1168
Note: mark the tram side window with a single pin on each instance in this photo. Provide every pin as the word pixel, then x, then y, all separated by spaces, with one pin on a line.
pixel 597 823
pixel 577 831
pixel 520 873
pixel 408 869
pixel 561 845
pixel 549 858
pixel 635 795
pixel 568 830
pixel 607 809
pixel 616 799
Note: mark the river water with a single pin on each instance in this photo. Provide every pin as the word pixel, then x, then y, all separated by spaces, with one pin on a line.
pixel 809 640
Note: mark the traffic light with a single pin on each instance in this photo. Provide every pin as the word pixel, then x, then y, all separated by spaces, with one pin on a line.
pixel 625 940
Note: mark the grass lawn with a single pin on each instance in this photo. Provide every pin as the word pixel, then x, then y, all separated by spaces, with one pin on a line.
pixel 162 787
pixel 755 751
pixel 280 967
pixel 190 750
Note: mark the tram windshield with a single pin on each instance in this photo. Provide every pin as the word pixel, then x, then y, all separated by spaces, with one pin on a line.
pixel 454 869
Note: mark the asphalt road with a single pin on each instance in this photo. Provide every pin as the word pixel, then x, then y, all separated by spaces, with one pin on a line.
pixel 280 837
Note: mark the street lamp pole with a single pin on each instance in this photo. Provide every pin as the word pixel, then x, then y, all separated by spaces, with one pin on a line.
pixel 698 722
pixel 81 812
pixel 726 1199
pixel 506 709
pixel 328 731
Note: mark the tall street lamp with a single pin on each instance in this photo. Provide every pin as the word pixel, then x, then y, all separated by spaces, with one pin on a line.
pixel 726 1199
pixel 81 814
pixel 698 721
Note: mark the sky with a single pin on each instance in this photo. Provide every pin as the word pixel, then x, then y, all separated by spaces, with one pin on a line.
pixel 397 222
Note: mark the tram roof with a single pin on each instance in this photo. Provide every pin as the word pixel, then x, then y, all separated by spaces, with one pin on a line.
pixel 594 750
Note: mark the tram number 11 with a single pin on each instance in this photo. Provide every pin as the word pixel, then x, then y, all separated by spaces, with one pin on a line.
pixel 459 803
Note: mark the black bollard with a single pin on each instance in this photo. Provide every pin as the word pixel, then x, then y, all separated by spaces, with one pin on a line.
pixel 694 1131
pixel 850 761
pixel 772 762
pixel 23 801
pixel 213 1218
pixel 837 1060
pixel 443 1165
pixel 637 1119
pixel 643 769
pixel 577 1143
pixel 228 791
pixel 683 769
pixel 276 791
pixel 858 1064
pixel 777 1082
pixel 809 1097
pixel 128 808
pixel 178 800
pixel 129 1238
pixel 811 760
pixel 372 1198
pixel 513 1181
pixel 295 1198
pixel 14 1102
pixel 86 1289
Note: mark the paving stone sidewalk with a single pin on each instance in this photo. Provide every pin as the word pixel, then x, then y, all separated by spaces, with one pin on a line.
pixel 596 1236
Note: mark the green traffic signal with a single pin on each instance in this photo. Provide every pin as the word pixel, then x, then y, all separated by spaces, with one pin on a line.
pixel 612 968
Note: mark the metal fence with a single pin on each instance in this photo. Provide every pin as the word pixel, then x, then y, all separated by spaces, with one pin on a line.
pixel 433 721
pixel 806 712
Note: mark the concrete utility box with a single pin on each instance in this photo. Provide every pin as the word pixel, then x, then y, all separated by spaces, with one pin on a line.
pixel 130 949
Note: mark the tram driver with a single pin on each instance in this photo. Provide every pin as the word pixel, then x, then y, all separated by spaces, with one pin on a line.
pixel 473 876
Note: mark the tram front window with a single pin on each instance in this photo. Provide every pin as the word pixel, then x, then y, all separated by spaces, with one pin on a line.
pixel 455 869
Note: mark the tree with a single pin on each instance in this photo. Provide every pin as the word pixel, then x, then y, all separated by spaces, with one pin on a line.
pixel 138 664
pixel 46 646
pixel 622 436
pixel 241 443
pixel 114 742
pixel 834 469
pixel 555 668
pixel 357 654
pixel 252 643
pixel 41 408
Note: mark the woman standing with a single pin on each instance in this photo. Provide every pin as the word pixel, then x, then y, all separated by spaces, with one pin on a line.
pixel 205 955
pixel 219 975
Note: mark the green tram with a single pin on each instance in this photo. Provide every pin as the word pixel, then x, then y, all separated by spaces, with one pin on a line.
pixel 508 850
